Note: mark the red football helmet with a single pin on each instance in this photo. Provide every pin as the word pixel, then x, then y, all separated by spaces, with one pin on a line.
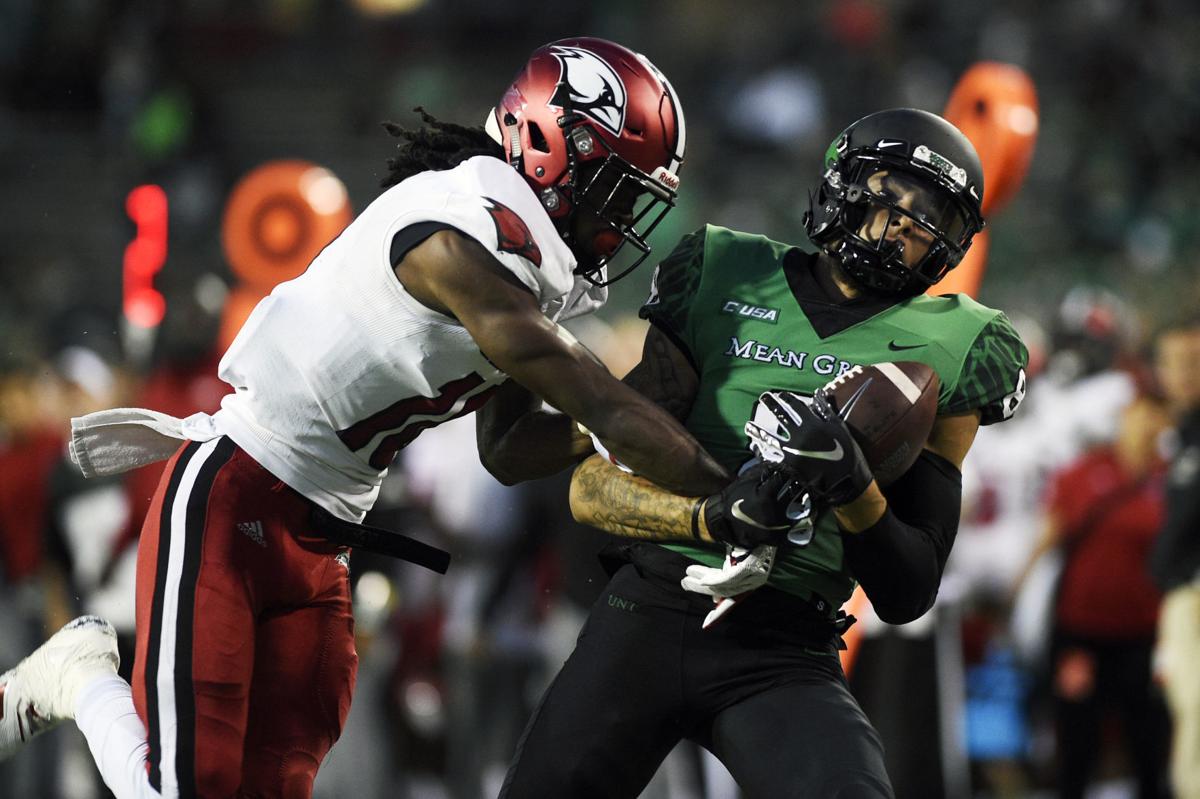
pixel 594 127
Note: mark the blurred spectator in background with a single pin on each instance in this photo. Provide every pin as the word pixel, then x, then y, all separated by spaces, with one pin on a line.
pixel 1091 365
pixel 1176 559
pixel 29 447
pixel 1003 477
pixel 92 567
pixel 487 630
pixel 1082 362
pixel 86 518
pixel 394 743
pixel 1103 512
pixel 1078 360
pixel 30 444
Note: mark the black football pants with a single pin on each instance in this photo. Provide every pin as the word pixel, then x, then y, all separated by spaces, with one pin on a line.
pixel 766 698
pixel 1122 679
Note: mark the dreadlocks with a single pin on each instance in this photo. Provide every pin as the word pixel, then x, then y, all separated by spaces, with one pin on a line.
pixel 437 145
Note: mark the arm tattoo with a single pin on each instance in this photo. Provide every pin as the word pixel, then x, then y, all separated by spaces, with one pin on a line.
pixel 664 377
pixel 605 497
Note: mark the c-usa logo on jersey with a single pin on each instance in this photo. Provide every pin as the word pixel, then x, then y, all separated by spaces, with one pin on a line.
pixel 591 86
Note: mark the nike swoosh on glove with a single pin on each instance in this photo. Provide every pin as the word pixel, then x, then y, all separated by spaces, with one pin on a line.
pixel 812 442
pixel 753 509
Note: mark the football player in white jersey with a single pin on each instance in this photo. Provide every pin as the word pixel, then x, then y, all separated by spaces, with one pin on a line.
pixel 443 295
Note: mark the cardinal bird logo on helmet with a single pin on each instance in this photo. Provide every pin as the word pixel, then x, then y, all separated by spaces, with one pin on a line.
pixel 512 234
pixel 588 84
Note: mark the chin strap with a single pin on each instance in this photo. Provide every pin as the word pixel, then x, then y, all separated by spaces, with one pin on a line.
pixel 509 138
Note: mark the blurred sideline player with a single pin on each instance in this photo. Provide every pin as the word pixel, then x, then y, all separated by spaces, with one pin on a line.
pixel 447 285
pixel 1175 560
pixel 733 315
pixel 1102 513
pixel 1005 475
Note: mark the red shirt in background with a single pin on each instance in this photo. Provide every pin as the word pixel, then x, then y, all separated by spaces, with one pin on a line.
pixel 26 461
pixel 1109 520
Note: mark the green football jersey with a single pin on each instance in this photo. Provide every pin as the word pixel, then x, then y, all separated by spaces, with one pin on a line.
pixel 749 325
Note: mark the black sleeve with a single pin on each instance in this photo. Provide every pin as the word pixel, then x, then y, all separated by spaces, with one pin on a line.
pixel 673 290
pixel 408 237
pixel 899 560
pixel 1175 557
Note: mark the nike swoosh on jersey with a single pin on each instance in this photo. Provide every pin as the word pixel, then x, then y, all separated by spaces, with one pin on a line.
pixel 834 454
pixel 898 345
pixel 736 512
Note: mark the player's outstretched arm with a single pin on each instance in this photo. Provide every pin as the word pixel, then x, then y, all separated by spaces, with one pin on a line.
pixel 749 512
pixel 624 504
pixel 455 275
pixel 519 440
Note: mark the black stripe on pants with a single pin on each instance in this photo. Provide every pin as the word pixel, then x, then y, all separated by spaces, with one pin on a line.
pixel 196 496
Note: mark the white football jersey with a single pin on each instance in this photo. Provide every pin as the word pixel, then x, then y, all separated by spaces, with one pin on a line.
pixel 337 370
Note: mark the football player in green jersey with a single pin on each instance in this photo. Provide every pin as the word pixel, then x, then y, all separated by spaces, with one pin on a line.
pixel 732 316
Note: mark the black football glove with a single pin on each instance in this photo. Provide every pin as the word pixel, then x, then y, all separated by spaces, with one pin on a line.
pixel 753 509
pixel 811 442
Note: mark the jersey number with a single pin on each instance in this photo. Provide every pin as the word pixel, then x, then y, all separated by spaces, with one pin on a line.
pixel 449 403
pixel 1008 405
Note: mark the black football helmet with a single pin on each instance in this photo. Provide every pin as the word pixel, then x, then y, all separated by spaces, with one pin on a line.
pixel 901 169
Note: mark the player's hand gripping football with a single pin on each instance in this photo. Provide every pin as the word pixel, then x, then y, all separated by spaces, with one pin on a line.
pixel 818 456
pixel 811 442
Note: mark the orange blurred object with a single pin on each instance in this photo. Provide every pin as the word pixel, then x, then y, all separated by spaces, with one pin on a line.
pixel 967 277
pixel 278 217
pixel 995 105
pixel 856 605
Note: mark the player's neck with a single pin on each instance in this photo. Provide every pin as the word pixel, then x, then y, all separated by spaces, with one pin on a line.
pixel 833 279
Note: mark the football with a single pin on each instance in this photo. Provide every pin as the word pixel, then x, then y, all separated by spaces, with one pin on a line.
pixel 890 408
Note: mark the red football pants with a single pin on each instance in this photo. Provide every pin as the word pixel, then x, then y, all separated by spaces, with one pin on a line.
pixel 245 659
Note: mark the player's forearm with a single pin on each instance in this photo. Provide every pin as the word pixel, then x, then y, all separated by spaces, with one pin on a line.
pixel 548 361
pixel 899 559
pixel 539 445
pixel 656 447
pixel 898 567
pixel 605 497
pixel 635 430
pixel 519 441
